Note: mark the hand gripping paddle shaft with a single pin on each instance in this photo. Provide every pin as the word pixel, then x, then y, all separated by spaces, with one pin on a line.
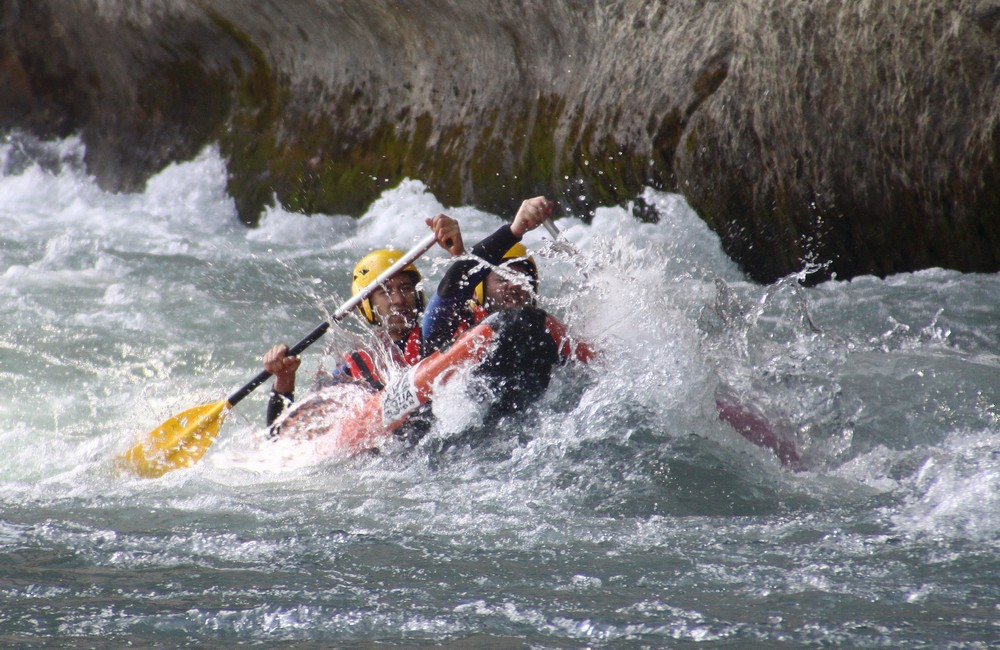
pixel 558 245
pixel 183 439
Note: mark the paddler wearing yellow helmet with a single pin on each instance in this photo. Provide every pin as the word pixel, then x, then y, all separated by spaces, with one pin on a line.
pixel 499 274
pixel 393 309
pixel 398 301
pixel 513 283
pixel 500 280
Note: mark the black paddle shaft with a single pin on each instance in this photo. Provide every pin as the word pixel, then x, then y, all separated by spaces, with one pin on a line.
pixel 313 336
pixel 263 375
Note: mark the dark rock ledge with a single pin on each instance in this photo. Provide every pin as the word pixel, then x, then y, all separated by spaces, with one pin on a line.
pixel 861 135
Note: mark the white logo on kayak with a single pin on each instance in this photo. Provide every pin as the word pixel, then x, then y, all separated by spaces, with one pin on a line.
pixel 399 398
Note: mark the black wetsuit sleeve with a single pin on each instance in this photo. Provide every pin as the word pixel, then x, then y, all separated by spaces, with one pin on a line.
pixel 448 306
pixel 491 250
pixel 275 407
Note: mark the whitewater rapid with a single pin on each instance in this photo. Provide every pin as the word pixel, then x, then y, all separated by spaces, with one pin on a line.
pixel 621 512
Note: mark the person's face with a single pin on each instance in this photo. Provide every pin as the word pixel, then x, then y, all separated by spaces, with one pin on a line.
pixel 504 293
pixel 394 303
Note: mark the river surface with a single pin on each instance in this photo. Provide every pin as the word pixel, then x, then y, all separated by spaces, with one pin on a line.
pixel 619 512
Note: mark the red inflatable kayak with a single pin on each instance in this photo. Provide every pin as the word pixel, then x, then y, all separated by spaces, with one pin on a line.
pixel 352 419
pixel 348 418
pixel 753 426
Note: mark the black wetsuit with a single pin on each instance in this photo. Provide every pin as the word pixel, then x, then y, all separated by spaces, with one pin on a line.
pixel 517 371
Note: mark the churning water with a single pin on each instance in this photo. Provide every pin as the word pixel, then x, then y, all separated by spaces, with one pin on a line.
pixel 619 512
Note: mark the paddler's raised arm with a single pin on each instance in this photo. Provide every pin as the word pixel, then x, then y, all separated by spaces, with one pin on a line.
pixel 531 214
pixel 447 307
pixel 448 233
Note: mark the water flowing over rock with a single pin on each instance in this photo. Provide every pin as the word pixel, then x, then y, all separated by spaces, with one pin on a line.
pixel 860 135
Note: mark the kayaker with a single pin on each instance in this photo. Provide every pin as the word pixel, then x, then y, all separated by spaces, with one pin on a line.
pixel 500 278
pixel 393 310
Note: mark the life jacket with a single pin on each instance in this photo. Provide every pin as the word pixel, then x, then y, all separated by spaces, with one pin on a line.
pixel 361 366
pixel 478 313
pixel 569 349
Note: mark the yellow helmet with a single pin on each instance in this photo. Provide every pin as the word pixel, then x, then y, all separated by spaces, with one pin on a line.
pixel 370 267
pixel 516 254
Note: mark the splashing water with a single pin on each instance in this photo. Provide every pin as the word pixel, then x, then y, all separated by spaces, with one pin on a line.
pixel 620 511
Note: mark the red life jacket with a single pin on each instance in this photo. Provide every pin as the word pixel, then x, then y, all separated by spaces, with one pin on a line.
pixel 478 314
pixel 362 367
pixel 569 349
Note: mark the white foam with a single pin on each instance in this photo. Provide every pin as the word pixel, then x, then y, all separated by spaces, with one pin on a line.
pixel 956 491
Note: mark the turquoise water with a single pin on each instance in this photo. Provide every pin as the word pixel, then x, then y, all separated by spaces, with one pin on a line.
pixel 621 512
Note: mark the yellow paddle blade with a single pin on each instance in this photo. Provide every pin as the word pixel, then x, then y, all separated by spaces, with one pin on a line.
pixel 178 442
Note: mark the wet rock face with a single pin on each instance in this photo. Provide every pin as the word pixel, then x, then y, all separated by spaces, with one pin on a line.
pixel 859 134
pixel 854 134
